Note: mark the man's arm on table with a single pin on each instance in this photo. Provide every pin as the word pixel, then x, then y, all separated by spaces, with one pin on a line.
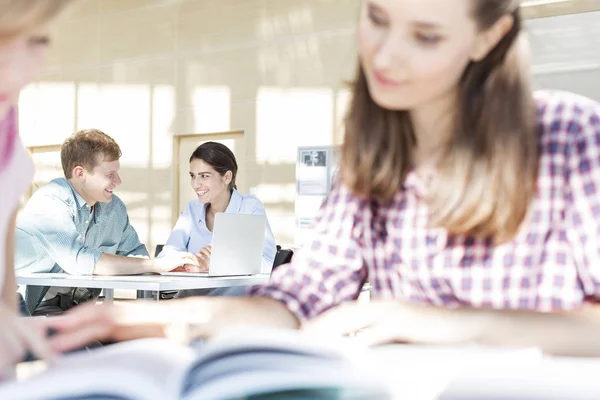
pixel 57 234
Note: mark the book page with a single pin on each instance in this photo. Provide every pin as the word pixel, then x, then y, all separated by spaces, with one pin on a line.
pixel 252 361
pixel 140 369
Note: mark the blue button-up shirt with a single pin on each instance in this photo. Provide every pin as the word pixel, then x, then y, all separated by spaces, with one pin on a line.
pixel 191 234
pixel 57 227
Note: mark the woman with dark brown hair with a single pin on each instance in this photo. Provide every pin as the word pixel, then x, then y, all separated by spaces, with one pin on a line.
pixel 213 171
pixel 470 204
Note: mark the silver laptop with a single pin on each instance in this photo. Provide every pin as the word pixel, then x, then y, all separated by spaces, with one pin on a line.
pixel 237 246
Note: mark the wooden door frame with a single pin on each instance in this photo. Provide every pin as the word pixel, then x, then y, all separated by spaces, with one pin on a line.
pixel 47 148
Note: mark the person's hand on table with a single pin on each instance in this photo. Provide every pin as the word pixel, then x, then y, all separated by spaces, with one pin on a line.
pixel 393 321
pixel 195 268
pixel 18 336
pixel 190 268
pixel 203 259
pixel 174 260
pixel 118 322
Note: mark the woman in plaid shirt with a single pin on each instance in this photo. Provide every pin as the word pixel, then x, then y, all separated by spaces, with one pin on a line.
pixel 471 205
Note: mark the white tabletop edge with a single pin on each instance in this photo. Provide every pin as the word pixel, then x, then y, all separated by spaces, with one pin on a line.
pixel 138 282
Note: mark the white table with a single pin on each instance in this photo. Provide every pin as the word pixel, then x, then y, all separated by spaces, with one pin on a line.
pixel 138 282
pixel 470 372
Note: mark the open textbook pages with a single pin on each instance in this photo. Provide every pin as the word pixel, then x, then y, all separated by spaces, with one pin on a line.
pixel 257 364
pixel 246 363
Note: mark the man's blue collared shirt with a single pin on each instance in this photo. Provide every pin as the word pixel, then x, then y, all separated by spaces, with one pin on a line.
pixel 58 227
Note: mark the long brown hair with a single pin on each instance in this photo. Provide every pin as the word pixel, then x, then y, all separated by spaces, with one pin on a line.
pixel 487 174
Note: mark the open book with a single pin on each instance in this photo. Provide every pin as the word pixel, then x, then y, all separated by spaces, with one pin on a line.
pixel 247 363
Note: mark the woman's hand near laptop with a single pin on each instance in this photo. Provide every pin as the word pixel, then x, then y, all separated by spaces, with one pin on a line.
pixel 175 261
pixel 202 261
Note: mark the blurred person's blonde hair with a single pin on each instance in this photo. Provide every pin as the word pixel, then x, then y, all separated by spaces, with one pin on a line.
pixel 19 17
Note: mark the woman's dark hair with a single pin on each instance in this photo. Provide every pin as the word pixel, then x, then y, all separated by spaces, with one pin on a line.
pixel 219 157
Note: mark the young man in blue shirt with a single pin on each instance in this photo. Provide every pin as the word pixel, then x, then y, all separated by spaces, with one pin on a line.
pixel 77 225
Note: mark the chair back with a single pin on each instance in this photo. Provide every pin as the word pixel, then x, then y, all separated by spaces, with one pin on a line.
pixel 283 256
pixel 159 248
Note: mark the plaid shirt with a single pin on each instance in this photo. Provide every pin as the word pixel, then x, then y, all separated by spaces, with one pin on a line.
pixel 553 263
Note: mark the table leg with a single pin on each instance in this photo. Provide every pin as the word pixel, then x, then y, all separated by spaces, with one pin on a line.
pixel 109 295
pixel 144 294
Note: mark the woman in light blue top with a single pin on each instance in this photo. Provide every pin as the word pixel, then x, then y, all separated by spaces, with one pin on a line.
pixel 213 169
